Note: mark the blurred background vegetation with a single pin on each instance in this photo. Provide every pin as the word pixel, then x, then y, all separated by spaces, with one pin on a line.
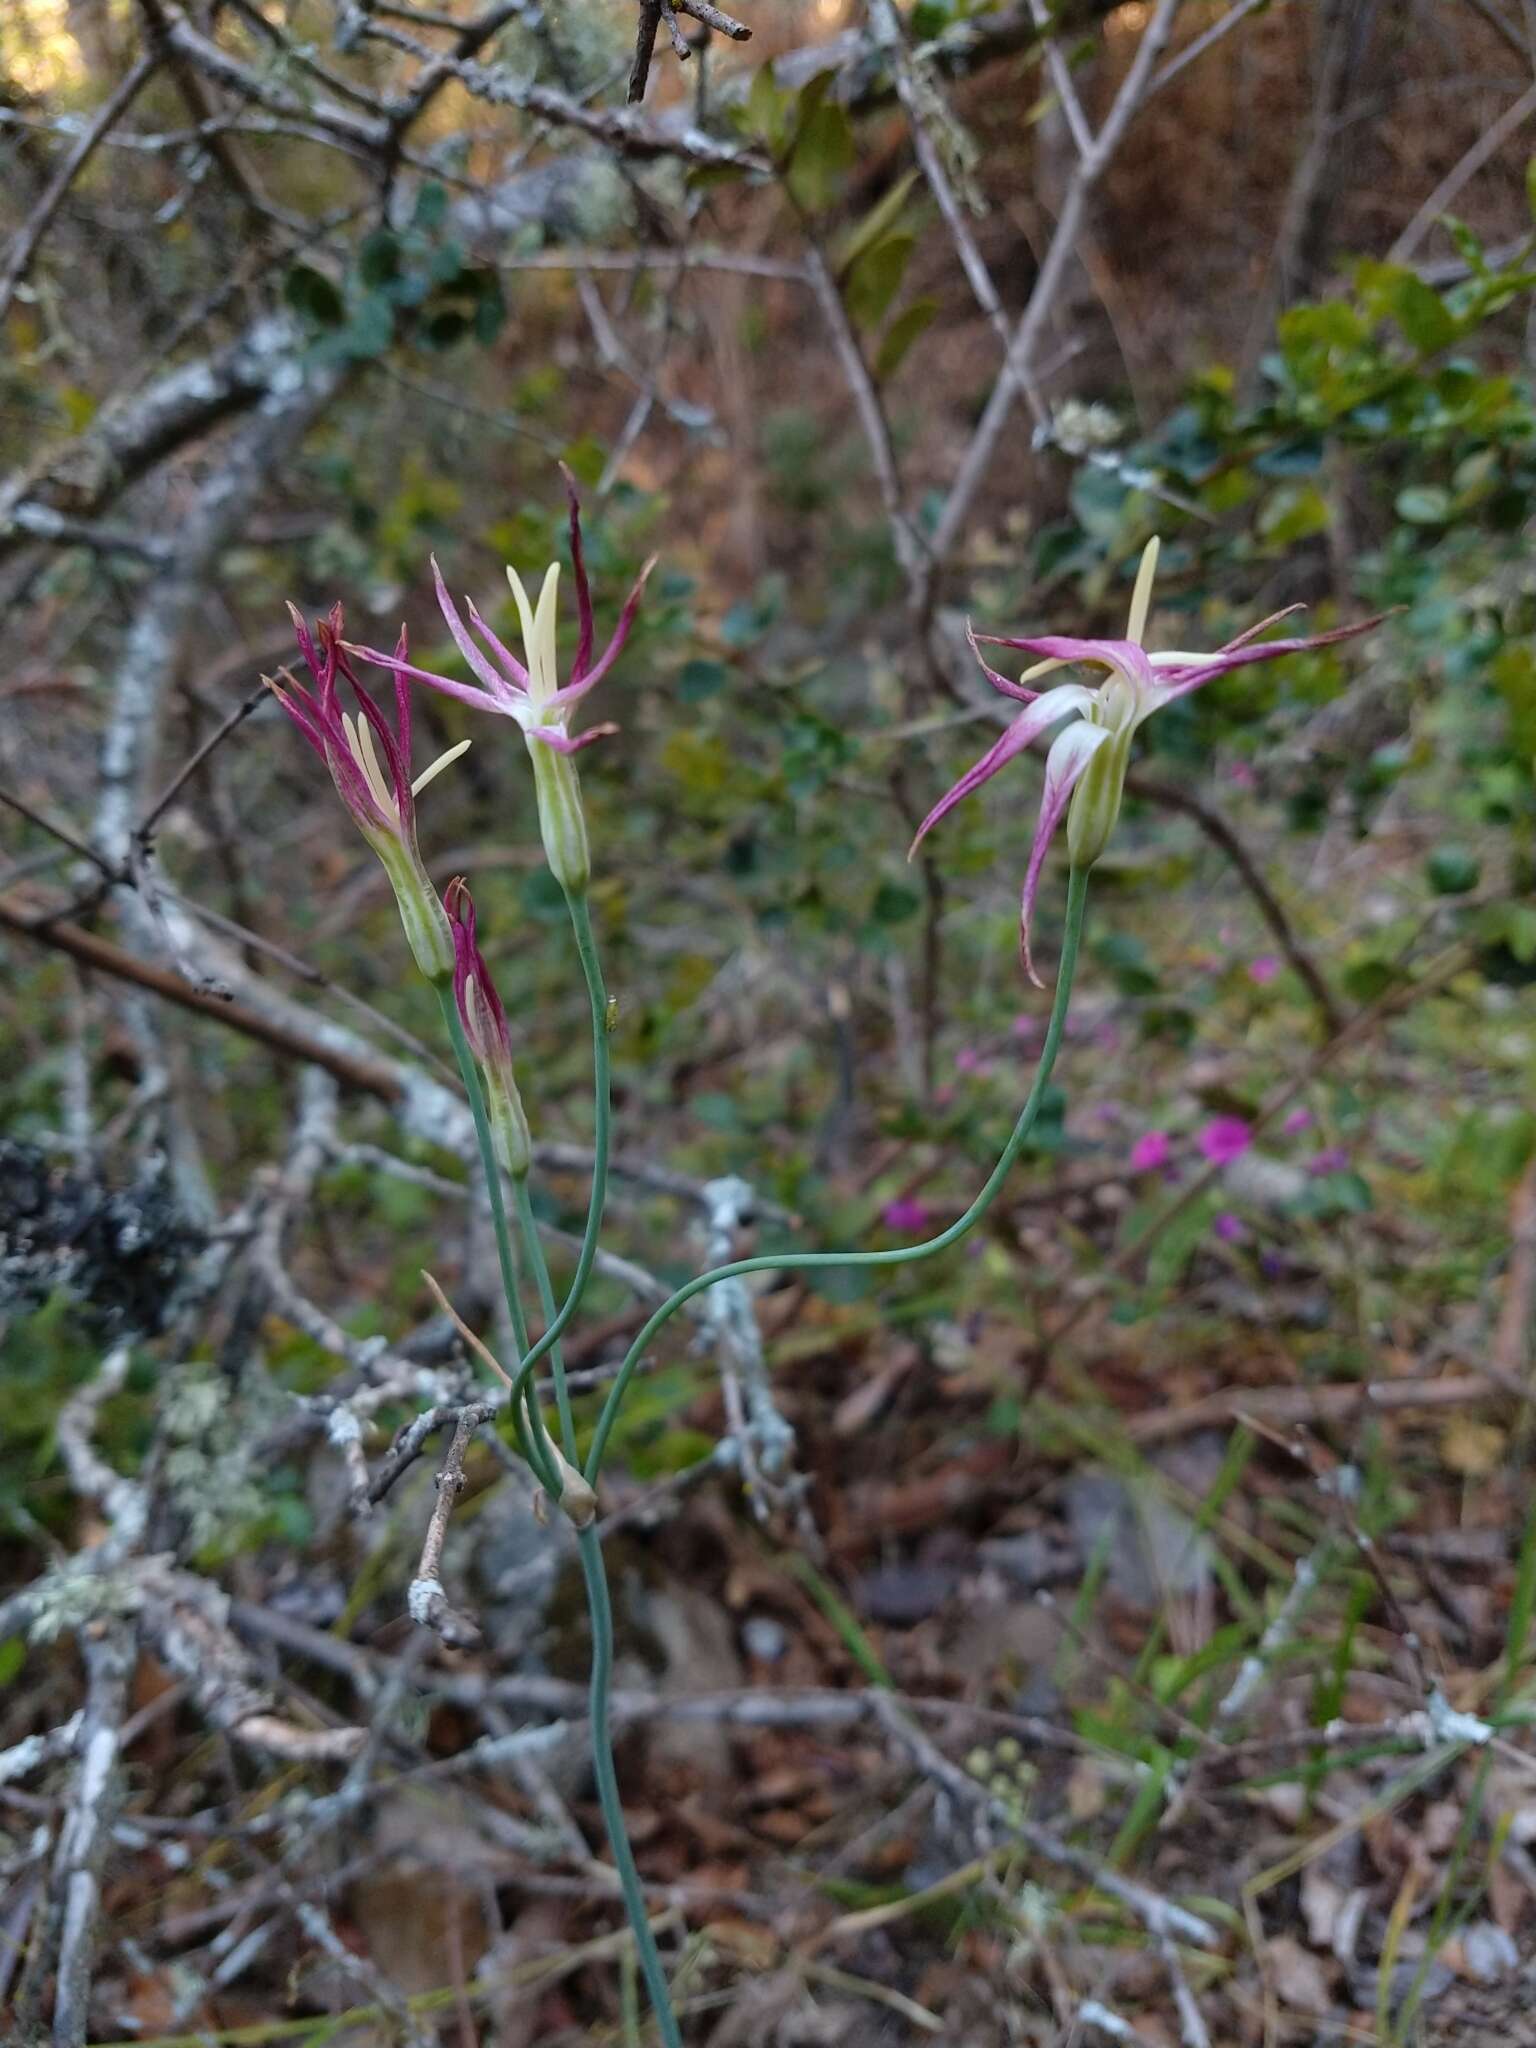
pixel 297 295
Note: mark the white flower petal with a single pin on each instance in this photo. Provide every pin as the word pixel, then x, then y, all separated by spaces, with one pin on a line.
pixel 1141 596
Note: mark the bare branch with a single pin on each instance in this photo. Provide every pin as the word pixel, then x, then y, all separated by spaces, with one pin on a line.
pixel 1017 372
pixel 110 112
pixel 1486 147
pixel 87 1832
pixel 428 1602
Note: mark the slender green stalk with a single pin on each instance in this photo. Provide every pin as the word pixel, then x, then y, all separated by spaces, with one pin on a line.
pixel 591 967
pixel 530 1432
pixel 594 1572
pixel 533 1253
pixel 801 1262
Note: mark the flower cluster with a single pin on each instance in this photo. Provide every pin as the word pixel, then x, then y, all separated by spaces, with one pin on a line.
pixel 370 763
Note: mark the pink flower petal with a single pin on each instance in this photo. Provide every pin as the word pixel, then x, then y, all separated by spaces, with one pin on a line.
pixel 1150 1151
pixel 1070 754
pixel 1225 1139
pixel 906 1216
pixel 1173 683
pixel 496 683
pixel 1038 718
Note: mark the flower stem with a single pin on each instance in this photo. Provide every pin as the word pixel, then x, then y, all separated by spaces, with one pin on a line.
pixel 594 1572
pixel 591 967
pixel 529 1432
pixel 801 1262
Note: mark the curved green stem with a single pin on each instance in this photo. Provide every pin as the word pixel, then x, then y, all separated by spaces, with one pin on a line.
pixel 802 1262
pixel 533 1253
pixel 591 967
pixel 595 1574
pixel 530 1432
pixel 606 1774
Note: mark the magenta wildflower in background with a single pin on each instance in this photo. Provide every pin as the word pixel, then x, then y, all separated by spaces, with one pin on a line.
pixel 1229 1228
pixel 1298 1120
pixel 1086 766
pixel 1224 1139
pixel 1264 969
pixel 906 1215
pixel 1150 1151
pixel 969 1061
pixel 1333 1159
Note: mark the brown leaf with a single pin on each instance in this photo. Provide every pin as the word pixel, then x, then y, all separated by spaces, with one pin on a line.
pixel 1300 1980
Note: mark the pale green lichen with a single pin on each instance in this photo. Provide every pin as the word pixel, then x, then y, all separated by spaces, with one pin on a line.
pixel 207 1465
pixel 75 1595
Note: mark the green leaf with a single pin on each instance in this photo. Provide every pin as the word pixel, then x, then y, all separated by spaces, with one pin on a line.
pixel 1424 505
pixel 1423 315
pixel 822 157
pixel 903 331
pixel 700 679
pixel 875 225
pixel 312 296
pixel 490 303
pixel 586 459
pixel 1530 185
pixel 1513 670
pixel 442 329
pixel 378 260
pixel 1511 925
pixel 1452 870
pixel 894 904
pixel 875 279
pixel 1175 1246
pixel 766 110
pixel 1292 513
pixel 431 205
pixel 370 330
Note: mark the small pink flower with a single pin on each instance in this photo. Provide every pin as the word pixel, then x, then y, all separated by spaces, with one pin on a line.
pixel 1225 1139
pixel 1297 1121
pixel 969 1061
pixel 1334 1159
pixel 1242 774
pixel 1229 1228
pixel 906 1215
pixel 1150 1151
pixel 1264 969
